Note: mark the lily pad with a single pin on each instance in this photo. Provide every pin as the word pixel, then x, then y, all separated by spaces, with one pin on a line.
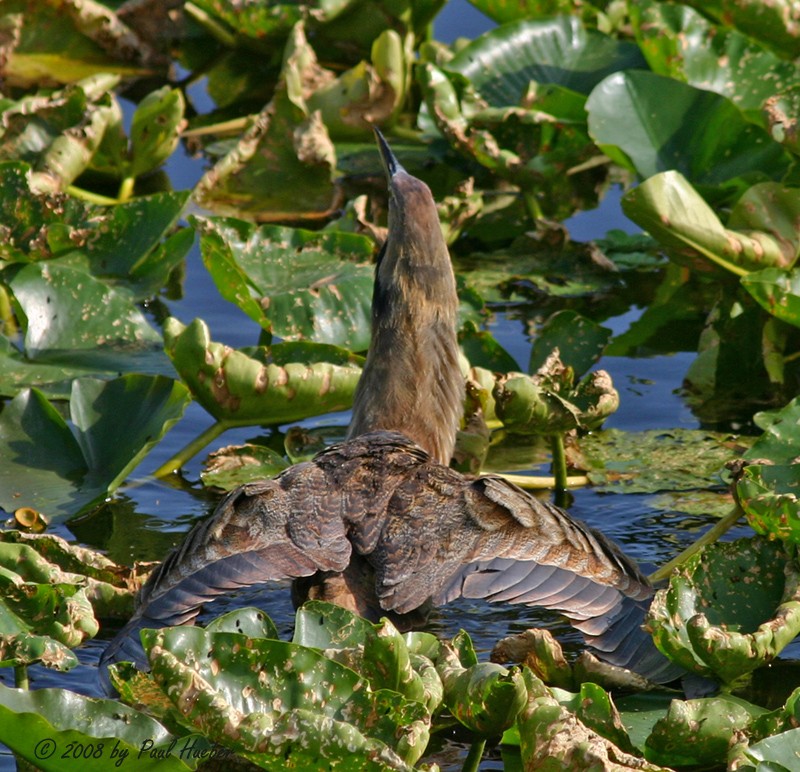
pixel 485 697
pixel 771 24
pixel 72 317
pixel 680 42
pixel 230 467
pixel 241 389
pixel 699 732
pixel 33 721
pixel 68 42
pixel 579 340
pixel 549 402
pixel 58 134
pixel 650 123
pixel 553 738
pixel 781 430
pixel 768 496
pixel 61 470
pixel 286 144
pixel 296 283
pixel 671 209
pixel 729 609
pixel 656 460
pixel 261 696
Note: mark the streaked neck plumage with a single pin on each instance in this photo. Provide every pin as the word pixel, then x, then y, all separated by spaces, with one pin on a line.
pixel 412 381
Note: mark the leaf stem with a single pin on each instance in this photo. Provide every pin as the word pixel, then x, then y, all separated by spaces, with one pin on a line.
pixel 211 26
pixel 559 461
pixel 532 206
pixel 709 537
pixel 542 482
pixel 21 680
pixel 191 449
pixel 126 189
pixel 473 760
pixel 92 198
pixel 8 324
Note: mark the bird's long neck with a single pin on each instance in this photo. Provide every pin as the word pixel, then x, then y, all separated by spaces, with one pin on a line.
pixel 412 381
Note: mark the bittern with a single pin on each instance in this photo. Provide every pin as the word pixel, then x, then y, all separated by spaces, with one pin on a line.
pixel 379 523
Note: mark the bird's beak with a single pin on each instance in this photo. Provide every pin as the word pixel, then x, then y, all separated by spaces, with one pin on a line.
pixel 390 163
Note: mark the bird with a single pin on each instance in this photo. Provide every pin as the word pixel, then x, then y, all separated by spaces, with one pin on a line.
pixel 379 523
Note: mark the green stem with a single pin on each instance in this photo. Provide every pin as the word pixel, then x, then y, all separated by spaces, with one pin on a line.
pixel 532 205
pixel 21 677
pixel 92 198
pixel 542 482
pixel 126 189
pixel 709 537
pixel 559 461
pixel 191 449
pixel 211 26
pixel 473 760
pixel 8 324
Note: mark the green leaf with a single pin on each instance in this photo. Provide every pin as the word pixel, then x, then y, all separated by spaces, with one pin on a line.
pixel 768 496
pixel 286 144
pixel 553 738
pixel 230 467
pixel 774 754
pixel 155 129
pixel 316 712
pixel 69 42
pixel 75 319
pixel 779 442
pixel 248 389
pixel 671 210
pixel 501 63
pixel 713 620
pixel 58 134
pixel 40 622
pixel 252 622
pixel 45 558
pixel 549 401
pixel 699 731
pixel 777 291
pixel 773 24
pixel 580 341
pixel 655 460
pixel 296 283
pixel 651 123
pixel 678 42
pixel 485 697
pixel 61 473
pixel 46 726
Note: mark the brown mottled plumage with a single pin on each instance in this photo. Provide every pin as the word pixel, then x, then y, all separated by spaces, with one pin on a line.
pixel 380 523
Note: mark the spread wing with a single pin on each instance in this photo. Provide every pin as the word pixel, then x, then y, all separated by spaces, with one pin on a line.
pixel 447 536
pixel 249 539
pixel 429 534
